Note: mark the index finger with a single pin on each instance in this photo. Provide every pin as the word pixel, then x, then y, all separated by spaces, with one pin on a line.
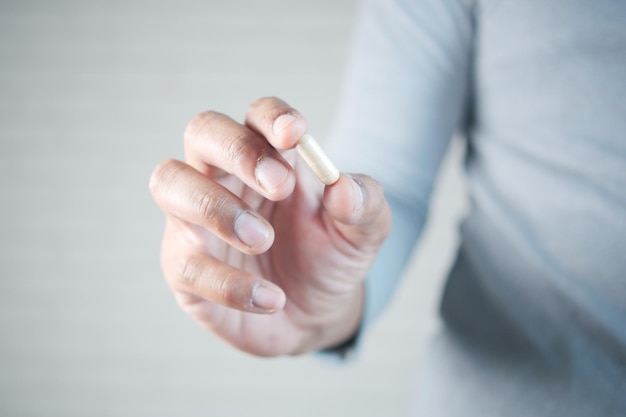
pixel 215 143
pixel 277 121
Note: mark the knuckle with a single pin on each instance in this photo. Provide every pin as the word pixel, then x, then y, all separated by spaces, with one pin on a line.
pixel 188 274
pixel 239 148
pixel 200 120
pixel 208 205
pixel 198 124
pixel 161 176
pixel 224 290
pixel 199 278
pixel 267 101
pixel 267 107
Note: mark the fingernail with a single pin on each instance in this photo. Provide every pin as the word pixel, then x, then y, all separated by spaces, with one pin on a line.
pixel 281 123
pixel 270 173
pixel 297 125
pixel 251 230
pixel 267 298
pixel 359 193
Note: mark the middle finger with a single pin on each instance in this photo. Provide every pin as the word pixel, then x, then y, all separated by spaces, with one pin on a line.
pixel 215 140
pixel 186 194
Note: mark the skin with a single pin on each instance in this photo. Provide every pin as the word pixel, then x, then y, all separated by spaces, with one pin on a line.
pixel 255 248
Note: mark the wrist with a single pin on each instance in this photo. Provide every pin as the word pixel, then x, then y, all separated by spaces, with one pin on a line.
pixel 337 330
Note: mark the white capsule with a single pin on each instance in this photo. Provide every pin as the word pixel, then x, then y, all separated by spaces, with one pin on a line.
pixel 314 156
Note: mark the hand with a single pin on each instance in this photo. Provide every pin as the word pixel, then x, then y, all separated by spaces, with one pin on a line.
pixel 255 248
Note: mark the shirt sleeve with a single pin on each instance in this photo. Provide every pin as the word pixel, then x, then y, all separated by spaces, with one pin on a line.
pixel 405 94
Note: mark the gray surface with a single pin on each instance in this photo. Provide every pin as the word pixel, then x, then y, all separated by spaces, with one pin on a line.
pixel 92 96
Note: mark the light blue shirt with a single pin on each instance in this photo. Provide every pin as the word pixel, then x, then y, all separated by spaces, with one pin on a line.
pixel 535 306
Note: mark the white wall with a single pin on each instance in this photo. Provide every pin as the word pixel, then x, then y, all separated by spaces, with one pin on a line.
pixel 92 96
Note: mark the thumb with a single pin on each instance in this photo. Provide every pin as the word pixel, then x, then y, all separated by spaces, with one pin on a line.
pixel 358 207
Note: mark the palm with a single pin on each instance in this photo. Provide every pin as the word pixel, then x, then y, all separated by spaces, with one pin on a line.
pixel 308 260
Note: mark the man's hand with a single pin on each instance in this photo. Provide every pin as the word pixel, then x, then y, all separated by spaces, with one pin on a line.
pixel 255 248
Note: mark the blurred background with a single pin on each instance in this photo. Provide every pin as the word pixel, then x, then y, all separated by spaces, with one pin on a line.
pixel 93 94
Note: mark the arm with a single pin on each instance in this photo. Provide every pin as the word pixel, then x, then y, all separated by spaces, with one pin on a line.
pixel 406 92
pixel 259 252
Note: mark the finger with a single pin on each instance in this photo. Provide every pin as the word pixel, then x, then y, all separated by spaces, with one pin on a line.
pixel 358 206
pixel 184 193
pixel 279 123
pixel 214 140
pixel 203 276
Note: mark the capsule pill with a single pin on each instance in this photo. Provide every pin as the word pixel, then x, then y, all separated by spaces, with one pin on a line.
pixel 316 158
